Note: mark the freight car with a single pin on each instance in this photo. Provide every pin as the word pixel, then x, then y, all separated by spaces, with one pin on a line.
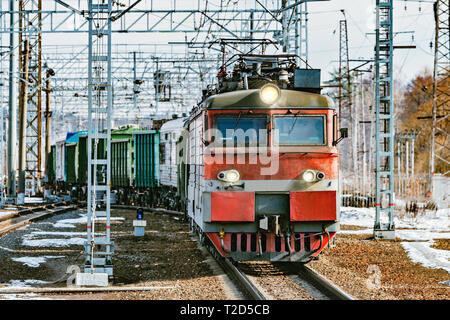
pixel 130 145
pixel 258 163
pixel 135 167
pixel 170 133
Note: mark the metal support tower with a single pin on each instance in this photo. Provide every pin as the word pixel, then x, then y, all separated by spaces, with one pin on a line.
pixel 344 69
pixel 303 32
pixel 12 108
pixel 2 124
pixel 30 22
pixel 99 134
pixel 440 155
pixel 295 21
pixel 384 121
pixel 294 28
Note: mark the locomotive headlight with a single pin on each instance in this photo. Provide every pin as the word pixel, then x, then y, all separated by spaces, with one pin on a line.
pixel 309 176
pixel 269 93
pixel 229 176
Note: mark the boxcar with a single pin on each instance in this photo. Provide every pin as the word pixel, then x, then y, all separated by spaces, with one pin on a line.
pixel 170 133
pixel 83 158
pixel 122 162
pixel 146 158
pixel 51 166
pixel 71 156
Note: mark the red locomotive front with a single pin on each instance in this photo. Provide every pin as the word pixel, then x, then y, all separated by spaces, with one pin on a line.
pixel 262 172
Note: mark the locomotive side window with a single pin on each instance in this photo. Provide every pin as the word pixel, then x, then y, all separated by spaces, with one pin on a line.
pixel 249 129
pixel 300 130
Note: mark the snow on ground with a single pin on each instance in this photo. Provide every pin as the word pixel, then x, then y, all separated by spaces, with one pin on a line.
pixel 23 283
pixel 5 213
pixel 419 231
pixel 34 262
pixel 53 242
pixel 17 284
pixel 34 200
pixel 82 218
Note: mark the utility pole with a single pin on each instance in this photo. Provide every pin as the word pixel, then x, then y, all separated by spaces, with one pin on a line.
pixel 48 118
pixel 156 87
pixel 12 109
pixel 384 120
pixel 30 22
pixel 2 127
pixel 440 155
pixel 24 56
pixel 344 69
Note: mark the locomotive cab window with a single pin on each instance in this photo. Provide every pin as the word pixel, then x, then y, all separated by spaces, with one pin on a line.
pixel 241 129
pixel 301 130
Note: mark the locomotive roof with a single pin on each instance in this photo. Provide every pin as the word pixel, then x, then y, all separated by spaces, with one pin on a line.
pixel 251 99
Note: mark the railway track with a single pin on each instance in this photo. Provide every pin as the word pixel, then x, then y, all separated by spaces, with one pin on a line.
pixel 325 286
pixel 29 215
pixel 315 282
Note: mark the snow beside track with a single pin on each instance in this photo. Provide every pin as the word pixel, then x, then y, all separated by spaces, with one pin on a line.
pixel 418 232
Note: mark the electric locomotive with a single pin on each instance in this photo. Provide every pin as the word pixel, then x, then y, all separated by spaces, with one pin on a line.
pixel 258 162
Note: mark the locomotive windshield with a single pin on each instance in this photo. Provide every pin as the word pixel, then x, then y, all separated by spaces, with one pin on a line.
pixel 249 129
pixel 296 130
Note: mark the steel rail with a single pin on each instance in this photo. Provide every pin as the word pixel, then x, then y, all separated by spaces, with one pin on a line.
pixel 41 212
pixel 324 285
pixel 239 277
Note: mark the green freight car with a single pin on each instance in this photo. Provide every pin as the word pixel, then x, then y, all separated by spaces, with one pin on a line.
pixel 146 158
pixel 122 162
pixel 71 157
pixel 51 166
pixel 134 163
pixel 83 158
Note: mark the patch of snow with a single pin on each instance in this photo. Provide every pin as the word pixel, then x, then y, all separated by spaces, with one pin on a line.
pixel 421 252
pixel 23 283
pixel 70 223
pixel 82 219
pixel 4 214
pixel 55 233
pixel 34 262
pixel 23 296
pixel 423 228
pixel 53 242
pixel 362 231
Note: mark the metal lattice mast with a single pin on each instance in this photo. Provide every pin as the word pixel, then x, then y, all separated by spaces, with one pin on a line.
pixel 440 155
pixel 99 138
pixel 12 109
pixel 2 119
pixel 295 21
pixel 384 120
pixel 303 28
pixel 31 22
pixel 344 68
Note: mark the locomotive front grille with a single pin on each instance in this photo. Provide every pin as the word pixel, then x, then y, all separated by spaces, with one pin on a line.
pixel 248 242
